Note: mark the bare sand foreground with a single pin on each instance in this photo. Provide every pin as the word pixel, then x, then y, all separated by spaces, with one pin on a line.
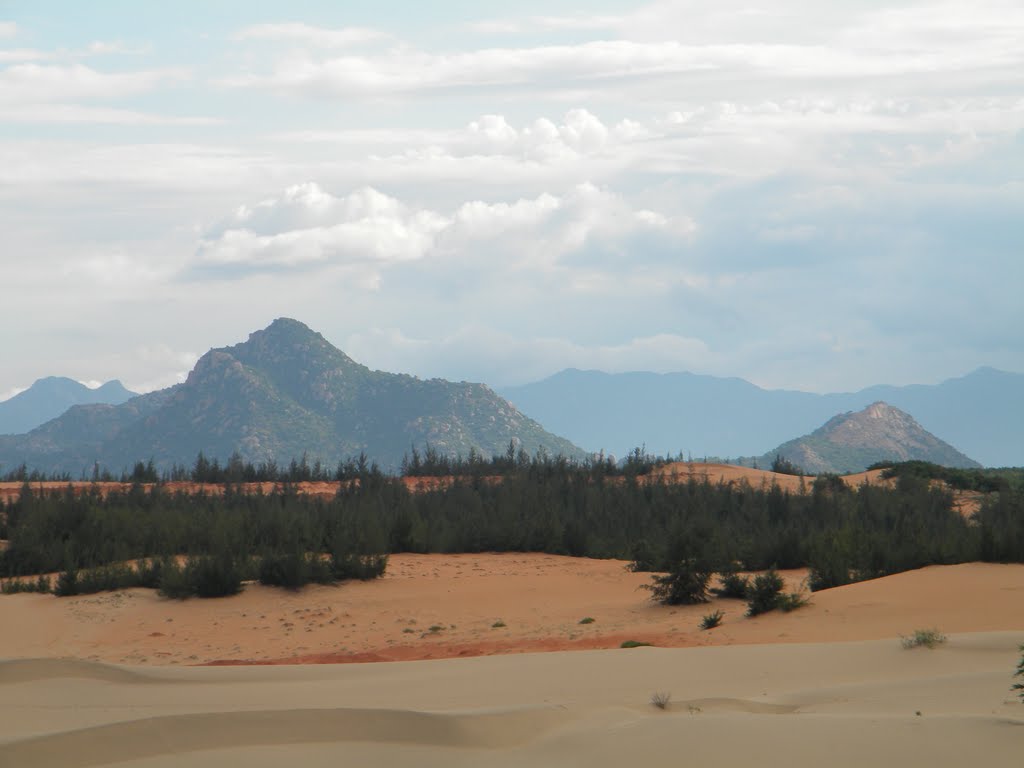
pixel 828 684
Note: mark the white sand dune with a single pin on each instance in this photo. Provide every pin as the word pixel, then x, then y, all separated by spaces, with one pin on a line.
pixel 839 704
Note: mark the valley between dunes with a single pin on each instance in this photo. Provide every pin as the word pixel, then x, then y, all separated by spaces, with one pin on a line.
pixel 108 679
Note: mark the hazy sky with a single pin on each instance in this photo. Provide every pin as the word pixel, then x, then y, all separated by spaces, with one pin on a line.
pixel 807 195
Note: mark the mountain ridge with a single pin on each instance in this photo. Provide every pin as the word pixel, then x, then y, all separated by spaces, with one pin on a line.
pixel 981 412
pixel 50 396
pixel 283 393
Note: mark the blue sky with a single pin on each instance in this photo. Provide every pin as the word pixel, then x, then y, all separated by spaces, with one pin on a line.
pixel 806 195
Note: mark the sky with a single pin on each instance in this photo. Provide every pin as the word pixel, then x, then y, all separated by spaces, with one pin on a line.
pixel 807 195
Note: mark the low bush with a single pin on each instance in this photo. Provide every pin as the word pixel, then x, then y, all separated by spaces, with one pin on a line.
pixel 16 586
pixel 733 585
pixel 928 638
pixel 685 584
pixel 218 575
pixel 294 570
pixel 633 644
pixel 1020 673
pixel 766 594
pixel 763 595
pixel 711 620
pixel 67 583
pixel 587 620
pixel 661 699
pixel 790 601
pixel 363 567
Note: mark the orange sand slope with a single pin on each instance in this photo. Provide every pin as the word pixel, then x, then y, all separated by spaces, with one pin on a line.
pixel 433 606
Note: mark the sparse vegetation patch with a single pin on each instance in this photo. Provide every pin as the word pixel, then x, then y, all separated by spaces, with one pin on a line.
pixel 927 638
pixel 661 699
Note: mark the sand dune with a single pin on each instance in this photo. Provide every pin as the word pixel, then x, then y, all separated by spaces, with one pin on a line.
pixel 437 606
pixel 839 704
pixel 829 684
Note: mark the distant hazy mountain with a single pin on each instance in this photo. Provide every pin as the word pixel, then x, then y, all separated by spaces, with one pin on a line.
pixel 982 413
pixel 50 397
pixel 284 392
pixel 851 442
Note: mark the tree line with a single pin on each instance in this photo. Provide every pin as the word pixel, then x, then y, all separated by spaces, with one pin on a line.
pixel 541 504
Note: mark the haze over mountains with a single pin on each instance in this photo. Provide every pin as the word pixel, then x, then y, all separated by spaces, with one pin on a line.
pixel 49 397
pixel 982 413
pixel 851 442
pixel 283 393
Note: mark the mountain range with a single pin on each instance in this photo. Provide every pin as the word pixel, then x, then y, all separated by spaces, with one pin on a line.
pixel 284 393
pixel 49 397
pixel 851 442
pixel 981 413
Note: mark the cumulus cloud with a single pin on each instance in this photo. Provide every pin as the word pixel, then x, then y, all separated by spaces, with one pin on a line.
pixel 308 226
pixel 8 29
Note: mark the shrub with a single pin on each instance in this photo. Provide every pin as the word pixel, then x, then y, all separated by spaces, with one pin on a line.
pixel 733 586
pixel 218 575
pixel 1020 673
pixel 661 699
pixel 633 644
pixel 711 620
pixel 215 575
pixel 587 620
pixel 290 570
pixel 16 586
pixel 364 567
pixel 790 601
pixel 67 583
pixel 763 595
pixel 148 572
pixel 643 558
pixel 929 638
pixel 683 585
pixel 108 578
pixel 498 624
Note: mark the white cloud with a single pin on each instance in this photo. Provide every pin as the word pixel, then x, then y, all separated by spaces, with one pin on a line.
pixel 76 113
pixel 508 26
pixel 8 29
pixel 35 83
pixel 310 35
pixel 308 226
pixel 170 166
pixel 933 40
pixel 23 54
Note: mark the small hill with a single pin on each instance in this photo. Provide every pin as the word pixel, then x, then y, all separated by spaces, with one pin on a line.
pixel 283 393
pixel 49 397
pixel 850 442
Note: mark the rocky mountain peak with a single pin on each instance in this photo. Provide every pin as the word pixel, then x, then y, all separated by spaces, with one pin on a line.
pixel 850 442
